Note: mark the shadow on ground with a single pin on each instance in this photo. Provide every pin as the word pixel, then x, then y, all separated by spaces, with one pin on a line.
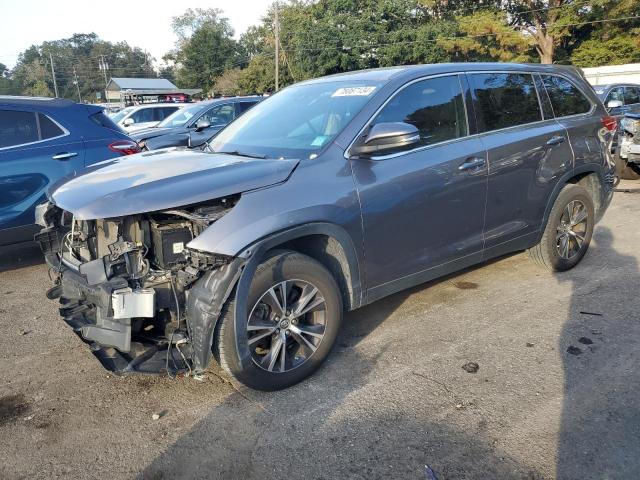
pixel 20 255
pixel 600 424
pixel 294 434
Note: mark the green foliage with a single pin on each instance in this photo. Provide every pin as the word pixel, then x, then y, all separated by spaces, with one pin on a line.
pixel 618 50
pixel 205 47
pixel 322 37
pixel 32 73
pixel 486 36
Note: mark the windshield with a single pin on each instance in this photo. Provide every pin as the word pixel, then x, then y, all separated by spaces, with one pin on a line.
pixel 297 122
pixel 116 117
pixel 180 117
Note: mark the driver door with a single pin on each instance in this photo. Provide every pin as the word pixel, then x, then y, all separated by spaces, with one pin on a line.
pixel 423 209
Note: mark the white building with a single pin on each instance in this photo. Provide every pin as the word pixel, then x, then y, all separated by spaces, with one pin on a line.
pixel 629 73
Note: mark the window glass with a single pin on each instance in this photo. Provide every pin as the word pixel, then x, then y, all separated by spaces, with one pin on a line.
pixel 616 94
pixel 435 107
pixel 565 96
pixel 17 128
pixel 505 100
pixel 162 113
pixel 244 106
pixel 631 96
pixel 220 115
pixel 182 115
pixel 116 117
pixel 104 121
pixel 272 127
pixel 143 115
pixel 48 129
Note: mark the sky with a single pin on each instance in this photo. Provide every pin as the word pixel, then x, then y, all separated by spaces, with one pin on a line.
pixel 141 23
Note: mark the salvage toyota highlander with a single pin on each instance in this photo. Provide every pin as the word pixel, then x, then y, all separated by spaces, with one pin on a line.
pixel 325 197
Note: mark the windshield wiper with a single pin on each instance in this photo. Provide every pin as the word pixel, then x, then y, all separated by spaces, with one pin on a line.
pixel 243 154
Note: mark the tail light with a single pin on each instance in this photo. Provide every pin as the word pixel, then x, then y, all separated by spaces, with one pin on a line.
pixel 610 123
pixel 124 147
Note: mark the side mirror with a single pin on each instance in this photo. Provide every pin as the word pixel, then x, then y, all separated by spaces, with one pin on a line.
pixel 385 137
pixel 201 125
pixel 611 104
pixel 128 122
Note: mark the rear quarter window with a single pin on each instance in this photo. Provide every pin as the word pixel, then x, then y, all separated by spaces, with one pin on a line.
pixel 505 100
pixel 566 98
pixel 103 120
pixel 48 128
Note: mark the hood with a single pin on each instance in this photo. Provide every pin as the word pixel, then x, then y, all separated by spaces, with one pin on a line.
pixel 163 179
pixel 154 132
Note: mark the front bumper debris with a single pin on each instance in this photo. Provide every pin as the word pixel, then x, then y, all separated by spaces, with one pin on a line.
pixel 101 315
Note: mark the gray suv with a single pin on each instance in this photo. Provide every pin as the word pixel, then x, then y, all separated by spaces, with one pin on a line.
pixel 325 197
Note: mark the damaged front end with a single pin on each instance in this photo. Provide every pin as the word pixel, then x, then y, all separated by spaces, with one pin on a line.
pixel 131 288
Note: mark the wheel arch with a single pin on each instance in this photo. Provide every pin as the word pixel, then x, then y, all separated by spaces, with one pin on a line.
pixel 592 178
pixel 326 243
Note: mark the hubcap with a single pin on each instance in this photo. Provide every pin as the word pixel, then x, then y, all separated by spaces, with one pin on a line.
pixel 286 325
pixel 572 229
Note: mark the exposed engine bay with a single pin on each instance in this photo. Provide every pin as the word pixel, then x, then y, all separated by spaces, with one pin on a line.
pixel 123 283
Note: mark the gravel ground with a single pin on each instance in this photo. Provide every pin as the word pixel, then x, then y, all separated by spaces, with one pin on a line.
pixel 555 395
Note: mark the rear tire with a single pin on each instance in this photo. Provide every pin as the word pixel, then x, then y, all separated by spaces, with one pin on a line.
pixel 285 348
pixel 568 231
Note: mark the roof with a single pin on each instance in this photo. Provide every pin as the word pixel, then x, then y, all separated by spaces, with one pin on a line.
pixel 140 84
pixel 385 75
pixel 49 102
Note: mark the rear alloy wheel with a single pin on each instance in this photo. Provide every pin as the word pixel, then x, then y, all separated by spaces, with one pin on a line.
pixel 294 315
pixel 571 232
pixel 568 231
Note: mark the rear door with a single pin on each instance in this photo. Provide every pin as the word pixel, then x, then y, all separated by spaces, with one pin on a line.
pixel 35 151
pixel 527 153
pixel 574 111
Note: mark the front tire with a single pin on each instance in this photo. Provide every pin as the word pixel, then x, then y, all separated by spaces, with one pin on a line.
pixel 295 313
pixel 568 231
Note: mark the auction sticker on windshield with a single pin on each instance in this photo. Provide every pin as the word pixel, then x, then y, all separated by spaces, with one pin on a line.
pixel 353 92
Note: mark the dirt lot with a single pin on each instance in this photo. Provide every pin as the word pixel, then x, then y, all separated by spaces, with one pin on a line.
pixel 556 394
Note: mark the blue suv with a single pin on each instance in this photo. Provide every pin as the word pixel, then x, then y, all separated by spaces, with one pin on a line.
pixel 41 141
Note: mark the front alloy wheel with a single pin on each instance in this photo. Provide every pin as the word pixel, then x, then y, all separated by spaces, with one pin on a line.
pixel 286 325
pixel 294 315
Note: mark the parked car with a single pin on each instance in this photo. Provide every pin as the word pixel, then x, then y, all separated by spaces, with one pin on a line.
pixel 41 141
pixel 327 196
pixel 194 125
pixel 621 99
pixel 139 117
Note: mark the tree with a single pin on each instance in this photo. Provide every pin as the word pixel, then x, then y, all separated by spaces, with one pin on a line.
pixel 487 36
pixel 205 47
pixel 227 84
pixel 82 53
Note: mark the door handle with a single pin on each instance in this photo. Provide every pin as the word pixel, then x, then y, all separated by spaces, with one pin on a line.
pixel 472 163
pixel 64 155
pixel 557 140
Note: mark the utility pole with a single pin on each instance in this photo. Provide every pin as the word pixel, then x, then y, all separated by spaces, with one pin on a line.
pixel 53 74
pixel 277 35
pixel 104 67
pixel 75 81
